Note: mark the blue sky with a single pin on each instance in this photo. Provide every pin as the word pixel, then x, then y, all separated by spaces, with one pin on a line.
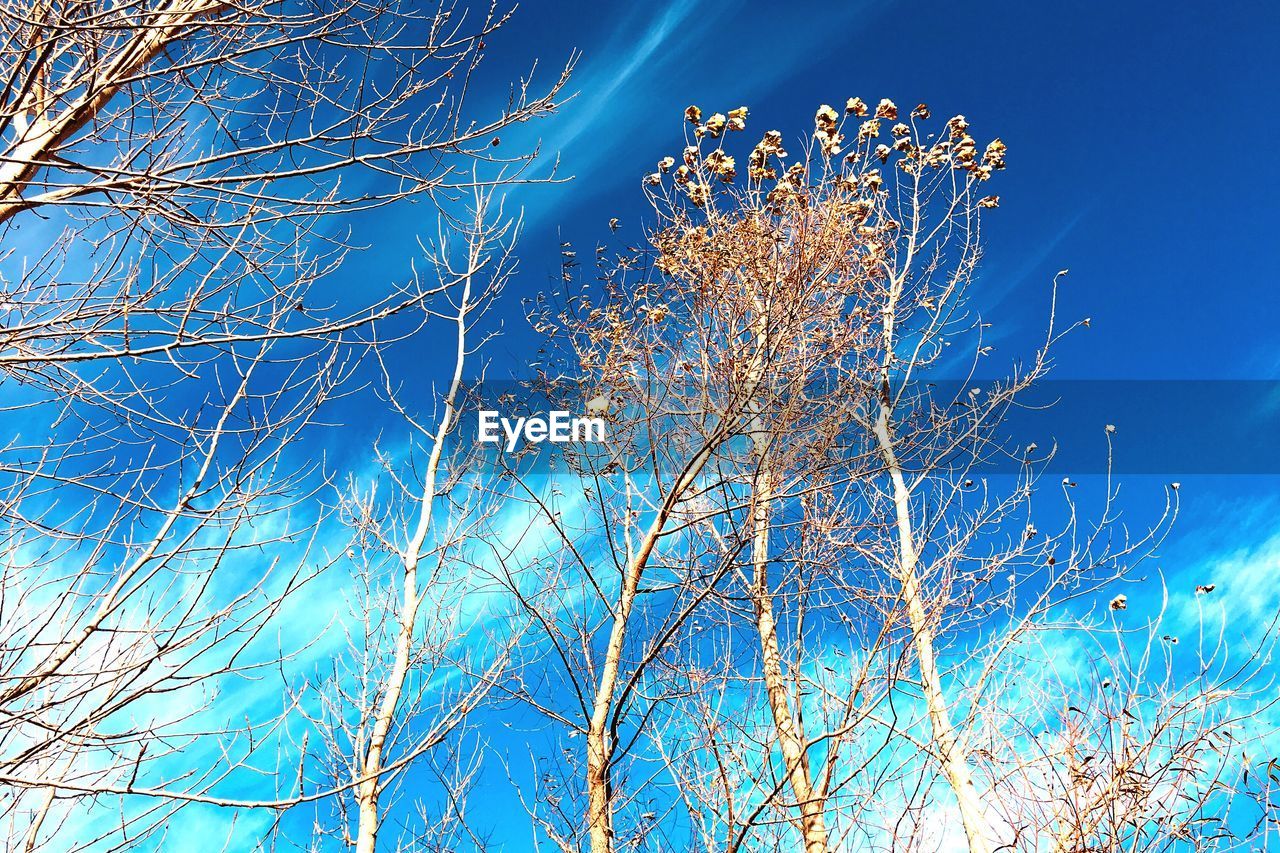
pixel 1137 131
pixel 1139 138
pixel 1138 135
pixel 1140 158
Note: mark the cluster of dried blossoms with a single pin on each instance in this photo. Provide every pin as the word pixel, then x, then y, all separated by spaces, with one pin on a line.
pixel 916 151
pixel 838 192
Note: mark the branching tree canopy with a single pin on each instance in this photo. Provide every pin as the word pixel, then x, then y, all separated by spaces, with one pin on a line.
pixel 812 573
pixel 811 593
pixel 177 186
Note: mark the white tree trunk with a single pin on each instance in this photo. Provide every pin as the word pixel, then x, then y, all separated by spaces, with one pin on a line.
pixel 811 802
pixel 951 754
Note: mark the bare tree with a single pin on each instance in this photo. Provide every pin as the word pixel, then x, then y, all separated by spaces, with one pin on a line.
pixel 174 186
pixel 809 506
pixel 626 571
pixel 245 111
pixel 422 654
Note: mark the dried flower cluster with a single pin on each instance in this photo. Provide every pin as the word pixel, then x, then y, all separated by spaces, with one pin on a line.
pixel 915 150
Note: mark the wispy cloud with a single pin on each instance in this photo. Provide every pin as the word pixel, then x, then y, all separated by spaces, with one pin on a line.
pixel 605 78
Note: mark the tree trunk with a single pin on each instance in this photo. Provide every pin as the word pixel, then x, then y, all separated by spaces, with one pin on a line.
pixel 599 743
pixel 950 753
pixel 790 737
pixel 373 766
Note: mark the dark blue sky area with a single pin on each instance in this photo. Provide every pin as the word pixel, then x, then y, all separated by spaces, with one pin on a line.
pixel 1140 139
pixel 1140 143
